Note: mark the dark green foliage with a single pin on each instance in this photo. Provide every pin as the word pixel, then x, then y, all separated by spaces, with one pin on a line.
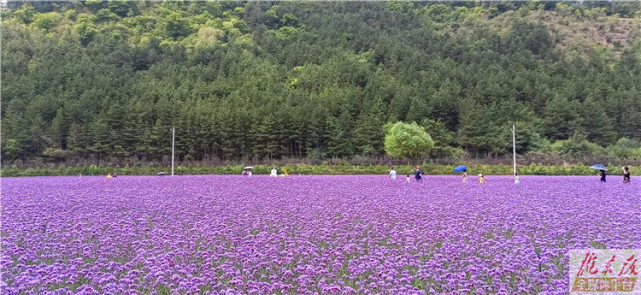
pixel 12 149
pixel 104 80
pixel 176 26
pixel 123 8
pixel 445 144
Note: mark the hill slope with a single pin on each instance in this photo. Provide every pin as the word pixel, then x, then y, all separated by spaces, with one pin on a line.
pixel 102 80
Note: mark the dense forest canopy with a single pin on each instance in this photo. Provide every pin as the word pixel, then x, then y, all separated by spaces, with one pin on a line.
pixel 265 80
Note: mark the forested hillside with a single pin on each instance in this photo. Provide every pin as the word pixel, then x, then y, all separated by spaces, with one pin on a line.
pixel 260 80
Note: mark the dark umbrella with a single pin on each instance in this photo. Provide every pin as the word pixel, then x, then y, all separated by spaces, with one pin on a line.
pixel 460 168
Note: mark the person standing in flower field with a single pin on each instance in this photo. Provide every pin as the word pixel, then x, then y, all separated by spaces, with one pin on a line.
pixel 417 173
pixel 516 178
pixel 408 179
pixel 392 173
pixel 481 179
pixel 602 175
pixel 464 175
pixel 626 174
pixel 274 172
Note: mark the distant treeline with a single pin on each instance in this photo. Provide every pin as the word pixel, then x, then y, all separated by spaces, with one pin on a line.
pixel 106 80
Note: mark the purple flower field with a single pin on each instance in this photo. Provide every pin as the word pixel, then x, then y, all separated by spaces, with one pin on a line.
pixel 306 234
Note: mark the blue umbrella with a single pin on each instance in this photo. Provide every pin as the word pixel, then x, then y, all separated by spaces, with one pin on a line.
pixel 460 168
pixel 598 167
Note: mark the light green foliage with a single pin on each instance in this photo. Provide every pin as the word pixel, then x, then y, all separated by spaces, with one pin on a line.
pixel 289 20
pixel 202 18
pixel 563 9
pixel 239 11
pixel 286 32
pixel 86 28
pixel 272 12
pixel 46 21
pixel 577 145
pixel 71 14
pixel 626 148
pixel 142 23
pixel 25 14
pixel 207 36
pixel 104 15
pixel 407 140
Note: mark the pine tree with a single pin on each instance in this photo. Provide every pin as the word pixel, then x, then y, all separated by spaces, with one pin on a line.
pixel 561 118
pixel 596 123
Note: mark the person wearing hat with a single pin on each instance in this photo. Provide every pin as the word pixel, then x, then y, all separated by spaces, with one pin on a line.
pixel 481 179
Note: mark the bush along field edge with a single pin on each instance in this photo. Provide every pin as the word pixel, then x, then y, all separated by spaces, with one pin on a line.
pixel 306 169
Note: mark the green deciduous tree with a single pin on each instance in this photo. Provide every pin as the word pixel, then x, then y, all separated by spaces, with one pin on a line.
pixel 46 21
pixel 407 140
pixel 86 28
pixel 626 148
pixel 25 13
pixel 577 145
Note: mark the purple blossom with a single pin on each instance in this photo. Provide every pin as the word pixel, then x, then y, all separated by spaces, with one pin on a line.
pixel 305 234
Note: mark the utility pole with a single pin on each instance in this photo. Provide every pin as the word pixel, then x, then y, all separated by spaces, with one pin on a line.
pixel 173 139
pixel 514 147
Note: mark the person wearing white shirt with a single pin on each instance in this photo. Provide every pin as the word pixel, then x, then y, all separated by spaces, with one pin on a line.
pixel 392 174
